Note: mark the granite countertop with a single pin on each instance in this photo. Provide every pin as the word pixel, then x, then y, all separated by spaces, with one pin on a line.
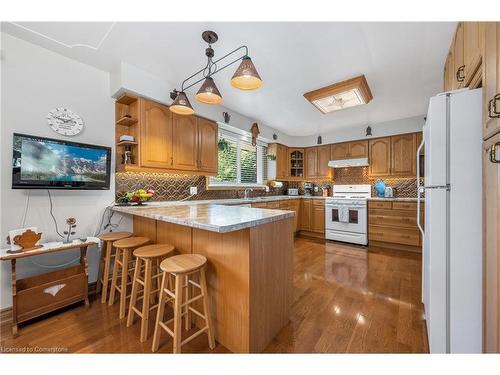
pixel 211 217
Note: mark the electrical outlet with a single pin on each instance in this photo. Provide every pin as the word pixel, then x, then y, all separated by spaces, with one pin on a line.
pixel 193 190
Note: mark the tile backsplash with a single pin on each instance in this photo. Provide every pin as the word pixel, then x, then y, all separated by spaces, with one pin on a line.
pixel 176 186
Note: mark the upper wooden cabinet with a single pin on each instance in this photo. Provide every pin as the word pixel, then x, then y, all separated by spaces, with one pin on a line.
pixel 296 162
pixel 458 57
pixel 380 157
pixel 340 151
pixel 164 141
pixel 403 154
pixel 462 67
pixel 393 156
pixel 311 154
pixel 207 145
pixel 155 135
pixel 316 162
pixel 473 32
pixel 349 150
pixel 185 142
pixel 322 169
pixel 491 79
pixel 282 161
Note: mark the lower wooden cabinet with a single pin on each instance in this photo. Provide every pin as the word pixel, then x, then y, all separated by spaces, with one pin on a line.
pixel 394 223
pixel 305 214
pixel 318 216
pixel 312 216
pixel 292 205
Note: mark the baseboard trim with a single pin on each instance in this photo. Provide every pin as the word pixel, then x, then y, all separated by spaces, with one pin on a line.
pixel 396 246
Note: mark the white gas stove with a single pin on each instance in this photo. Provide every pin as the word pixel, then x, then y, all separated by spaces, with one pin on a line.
pixel 346 214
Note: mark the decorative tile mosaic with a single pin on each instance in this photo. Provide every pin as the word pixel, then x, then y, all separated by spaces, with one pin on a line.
pixel 405 187
pixel 176 186
pixel 169 187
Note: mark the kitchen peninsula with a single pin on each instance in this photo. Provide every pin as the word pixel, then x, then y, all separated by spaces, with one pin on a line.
pixel 250 263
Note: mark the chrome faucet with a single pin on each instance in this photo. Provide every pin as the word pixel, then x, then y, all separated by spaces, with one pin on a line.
pixel 247 190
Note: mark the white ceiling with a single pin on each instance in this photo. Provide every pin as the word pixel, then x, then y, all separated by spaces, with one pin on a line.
pixel 401 61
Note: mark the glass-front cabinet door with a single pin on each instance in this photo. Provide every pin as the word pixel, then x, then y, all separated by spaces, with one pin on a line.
pixel 296 162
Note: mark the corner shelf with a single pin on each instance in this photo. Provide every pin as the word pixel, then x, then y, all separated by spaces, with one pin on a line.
pixel 126 143
pixel 126 99
pixel 127 121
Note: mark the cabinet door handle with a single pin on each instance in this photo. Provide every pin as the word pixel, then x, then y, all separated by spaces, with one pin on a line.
pixel 460 77
pixel 493 153
pixel 490 112
pixel 495 99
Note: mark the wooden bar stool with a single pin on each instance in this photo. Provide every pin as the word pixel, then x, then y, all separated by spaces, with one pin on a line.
pixel 147 255
pixel 107 254
pixel 181 268
pixel 123 257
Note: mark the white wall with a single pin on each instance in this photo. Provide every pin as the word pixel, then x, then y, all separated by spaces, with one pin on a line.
pixel 34 81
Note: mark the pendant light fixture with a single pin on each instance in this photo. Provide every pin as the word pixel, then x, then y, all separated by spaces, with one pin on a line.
pixel 245 78
pixel 181 105
pixel 208 92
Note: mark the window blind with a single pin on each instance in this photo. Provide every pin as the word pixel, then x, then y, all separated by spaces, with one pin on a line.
pixel 239 163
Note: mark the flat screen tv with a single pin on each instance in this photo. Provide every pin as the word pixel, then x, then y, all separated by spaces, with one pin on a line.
pixel 46 163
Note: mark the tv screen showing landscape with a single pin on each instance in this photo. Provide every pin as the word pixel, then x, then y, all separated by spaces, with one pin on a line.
pixel 50 163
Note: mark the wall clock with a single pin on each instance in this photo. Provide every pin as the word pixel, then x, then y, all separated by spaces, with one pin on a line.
pixel 65 122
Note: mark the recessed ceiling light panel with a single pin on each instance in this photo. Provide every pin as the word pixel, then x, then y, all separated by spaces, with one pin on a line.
pixel 341 95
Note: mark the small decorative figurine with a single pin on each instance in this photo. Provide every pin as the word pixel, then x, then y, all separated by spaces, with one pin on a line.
pixel 255 133
pixel 71 221
pixel 226 117
pixel 28 240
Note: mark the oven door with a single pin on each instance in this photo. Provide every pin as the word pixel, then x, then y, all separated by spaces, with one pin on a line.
pixel 346 217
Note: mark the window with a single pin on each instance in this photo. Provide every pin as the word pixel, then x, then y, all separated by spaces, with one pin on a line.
pixel 240 164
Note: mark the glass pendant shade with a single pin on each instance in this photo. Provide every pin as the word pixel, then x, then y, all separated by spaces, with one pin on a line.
pixel 181 105
pixel 246 76
pixel 208 92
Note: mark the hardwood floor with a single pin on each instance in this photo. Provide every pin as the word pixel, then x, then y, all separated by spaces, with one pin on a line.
pixel 347 299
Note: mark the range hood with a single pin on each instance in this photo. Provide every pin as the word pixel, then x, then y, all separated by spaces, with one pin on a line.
pixel 344 163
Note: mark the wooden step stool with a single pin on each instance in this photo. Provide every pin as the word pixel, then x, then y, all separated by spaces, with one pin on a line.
pixel 107 254
pixel 123 257
pixel 150 256
pixel 181 268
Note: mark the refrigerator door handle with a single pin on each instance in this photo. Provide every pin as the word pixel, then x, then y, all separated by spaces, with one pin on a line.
pixel 447 187
pixel 419 189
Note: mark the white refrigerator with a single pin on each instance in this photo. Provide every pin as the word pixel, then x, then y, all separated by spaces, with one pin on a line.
pixel 452 261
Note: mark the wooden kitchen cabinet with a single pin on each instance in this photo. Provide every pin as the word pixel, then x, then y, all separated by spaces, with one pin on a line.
pixel 305 214
pixel 448 73
pixel 318 216
pixel 393 156
pixel 393 224
pixel 340 151
pixel 472 50
pixel 164 141
pixel 349 150
pixel 281 153
pixel 207 145
pixel 322 169
pixel 316 162
pixel 458 57
pixel 491 79
pixel 292 205
pixel 358 149
pixel 491 235
pixel 296 162
pixel 155 135
pixel 185 142
pixel 403 154
pixel 311 155
pixel 380 157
